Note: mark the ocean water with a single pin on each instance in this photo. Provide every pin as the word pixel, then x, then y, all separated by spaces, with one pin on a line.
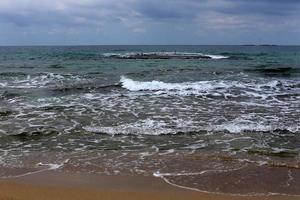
pixel 191 115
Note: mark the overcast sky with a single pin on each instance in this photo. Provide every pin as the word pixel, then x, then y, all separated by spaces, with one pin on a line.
pixel 65 22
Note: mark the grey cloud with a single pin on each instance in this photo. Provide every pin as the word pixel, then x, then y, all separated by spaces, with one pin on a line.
pixel 151 19
pixel 67 12
pixel 64 12
pixel 168 9
pixel 271 8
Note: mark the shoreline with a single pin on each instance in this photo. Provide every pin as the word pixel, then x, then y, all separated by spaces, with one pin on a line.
pixel 63 185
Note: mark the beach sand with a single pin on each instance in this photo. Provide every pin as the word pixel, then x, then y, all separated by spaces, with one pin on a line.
pixel 70 186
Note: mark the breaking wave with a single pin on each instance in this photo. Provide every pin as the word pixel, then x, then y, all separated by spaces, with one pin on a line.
pixel 215 88
pixel 242 126
pixel 161 127
pixel 164 55
pixel 159 85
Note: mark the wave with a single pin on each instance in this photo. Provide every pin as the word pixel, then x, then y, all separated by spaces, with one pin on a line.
pixel 12 74
pixel 164 55
pixel 241 127
pixel 56 66
pixel 132 85
pixel 5 112
pixel 41 81
pixel 215 88
pixel 35 134
pixel 243 56
pixel 275 71
pixel 154 128
pixel 143 127
pixel 9 95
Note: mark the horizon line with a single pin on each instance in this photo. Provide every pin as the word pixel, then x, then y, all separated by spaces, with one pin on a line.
pixel 61 45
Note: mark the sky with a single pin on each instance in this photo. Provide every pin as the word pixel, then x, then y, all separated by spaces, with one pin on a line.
pixel 115 22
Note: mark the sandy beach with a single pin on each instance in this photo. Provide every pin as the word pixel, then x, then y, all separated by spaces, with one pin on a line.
pixel 149 100
pixel 65 186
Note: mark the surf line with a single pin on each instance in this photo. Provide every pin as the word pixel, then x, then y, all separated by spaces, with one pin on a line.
pixel 50 168
pixel 164 175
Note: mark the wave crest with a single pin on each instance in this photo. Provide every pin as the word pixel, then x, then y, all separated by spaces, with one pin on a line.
pixel 216 88
pixel 164 55
pixel 132 85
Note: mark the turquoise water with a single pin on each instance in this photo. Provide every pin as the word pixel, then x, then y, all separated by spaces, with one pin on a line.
pixel 151 110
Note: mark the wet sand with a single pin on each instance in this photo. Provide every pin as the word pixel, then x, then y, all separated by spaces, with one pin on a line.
pixel 65 186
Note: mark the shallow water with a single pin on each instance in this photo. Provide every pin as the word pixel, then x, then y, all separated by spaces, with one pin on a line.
pixel 163 110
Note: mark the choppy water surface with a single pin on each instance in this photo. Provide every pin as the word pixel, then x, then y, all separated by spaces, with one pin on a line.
pixel 192 115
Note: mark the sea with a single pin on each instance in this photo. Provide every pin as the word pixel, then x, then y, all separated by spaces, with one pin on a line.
pixel 217 119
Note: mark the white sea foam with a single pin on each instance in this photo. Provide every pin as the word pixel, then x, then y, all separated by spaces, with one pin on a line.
pixel 3 84
pixel 142 127
pixel 40 81
pixel 187 87
pixel 50 167
pixel 262 90
pixel 164 177
pixel 239 125
pixel 216 57
pixel 168 54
